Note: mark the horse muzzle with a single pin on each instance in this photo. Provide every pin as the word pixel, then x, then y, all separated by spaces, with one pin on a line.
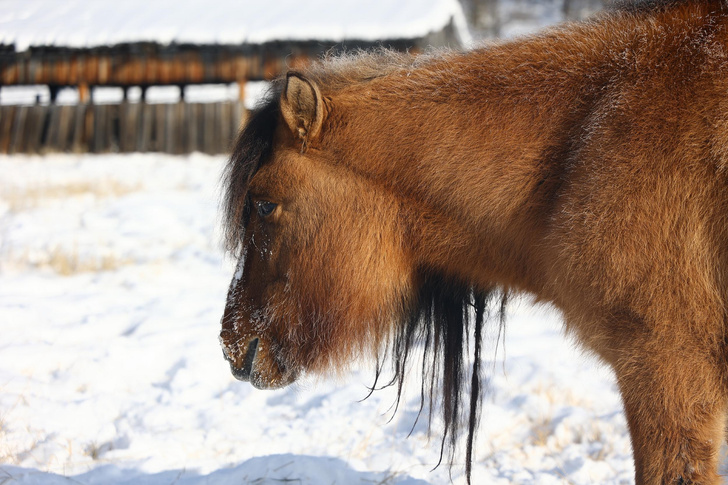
pixel 252 361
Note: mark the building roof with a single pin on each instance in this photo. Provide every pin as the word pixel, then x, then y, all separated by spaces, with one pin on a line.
pixel 93 23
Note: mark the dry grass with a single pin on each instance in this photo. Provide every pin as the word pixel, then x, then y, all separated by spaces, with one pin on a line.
pixel 559 396
pixel 60 258
pixel 63 261
pixel 541 430
pixel 26 198
pixel 389 478
pixel 68 263
pixel 8 454
pixel 94 450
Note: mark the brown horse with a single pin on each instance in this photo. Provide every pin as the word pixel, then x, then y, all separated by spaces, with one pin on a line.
pixel 377 203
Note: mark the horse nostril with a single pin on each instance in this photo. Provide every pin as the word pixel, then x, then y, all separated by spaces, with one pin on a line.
pixel 243 372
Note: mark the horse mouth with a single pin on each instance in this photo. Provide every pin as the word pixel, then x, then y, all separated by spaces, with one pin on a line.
pixel 257 366
pixel 243 372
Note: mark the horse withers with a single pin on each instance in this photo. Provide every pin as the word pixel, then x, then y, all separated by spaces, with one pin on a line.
pixel 383 203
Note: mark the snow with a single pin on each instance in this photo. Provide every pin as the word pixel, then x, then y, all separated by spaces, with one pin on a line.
pixel 112 285
pixel 197 93
pixel 524 17
pixel 113 282
pixel 86 23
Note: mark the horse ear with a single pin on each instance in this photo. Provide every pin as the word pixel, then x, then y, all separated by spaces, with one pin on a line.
pixel 302 106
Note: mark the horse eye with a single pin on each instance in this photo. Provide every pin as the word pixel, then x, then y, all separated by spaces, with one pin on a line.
pixel 265 208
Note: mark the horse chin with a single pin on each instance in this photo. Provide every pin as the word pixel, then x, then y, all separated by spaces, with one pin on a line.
pixel 267 382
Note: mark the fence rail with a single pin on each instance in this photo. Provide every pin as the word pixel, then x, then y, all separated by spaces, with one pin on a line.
pixel 127 127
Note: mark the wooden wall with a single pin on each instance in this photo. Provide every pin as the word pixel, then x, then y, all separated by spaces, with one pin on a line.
pixel 140 65
pixel 126 127
pixel 148 64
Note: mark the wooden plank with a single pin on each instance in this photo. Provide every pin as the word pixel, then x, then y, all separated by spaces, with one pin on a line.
pixel 62 72
pixel 215 121
pixel 132 71
pixel 7 117
pixel 219 140
pixel 169 128
pixel 146 127
pixel 104 68
pixel 123 127
pixel 105 125
pixel 18 130
pixel 160 127
pixel 223 127
pixel 225 130
pixel 177 69
pixel 242 67
pixel 9 73
pixel 40 132
pixel 165 70
pixel 150 70
pixel 129 126
pixel 113 131
pixel 66 123
pixel 208 128
pixel 35 126
pixel 75 67
pixel 195 70
pixel 34 71
pixel 51 142
pixel 225 69
pixel 91 69
pixel 97 133
pixel 200 127
pixel 190 128
pixel 179 128
pixel 78 138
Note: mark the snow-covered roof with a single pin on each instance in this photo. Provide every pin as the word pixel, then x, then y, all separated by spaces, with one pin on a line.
pixel 90 23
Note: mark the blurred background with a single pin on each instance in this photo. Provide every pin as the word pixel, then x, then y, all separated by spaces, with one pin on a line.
pixel 115 121
pixel 178 77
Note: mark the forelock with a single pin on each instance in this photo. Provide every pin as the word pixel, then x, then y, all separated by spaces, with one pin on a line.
pixel 253 148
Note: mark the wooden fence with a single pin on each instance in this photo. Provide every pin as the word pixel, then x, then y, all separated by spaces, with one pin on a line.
pixel 127 127
pixel 152 64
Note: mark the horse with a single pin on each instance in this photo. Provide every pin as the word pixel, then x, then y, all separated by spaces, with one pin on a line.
pixel 381 204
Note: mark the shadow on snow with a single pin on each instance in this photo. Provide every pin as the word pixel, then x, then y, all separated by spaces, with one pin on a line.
pixel 271 469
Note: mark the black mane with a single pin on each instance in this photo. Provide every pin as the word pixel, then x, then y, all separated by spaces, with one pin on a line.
pixel 253 147
pixel 444 319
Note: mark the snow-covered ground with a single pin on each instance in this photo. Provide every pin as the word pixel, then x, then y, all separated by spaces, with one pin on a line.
pixel 112 285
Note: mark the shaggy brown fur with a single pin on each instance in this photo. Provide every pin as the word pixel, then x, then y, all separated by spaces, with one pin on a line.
pixel 377 200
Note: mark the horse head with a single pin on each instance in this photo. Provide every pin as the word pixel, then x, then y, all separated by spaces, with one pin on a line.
pixel 324 265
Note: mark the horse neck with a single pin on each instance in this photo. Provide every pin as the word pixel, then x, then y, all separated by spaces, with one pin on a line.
pixel 475 146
